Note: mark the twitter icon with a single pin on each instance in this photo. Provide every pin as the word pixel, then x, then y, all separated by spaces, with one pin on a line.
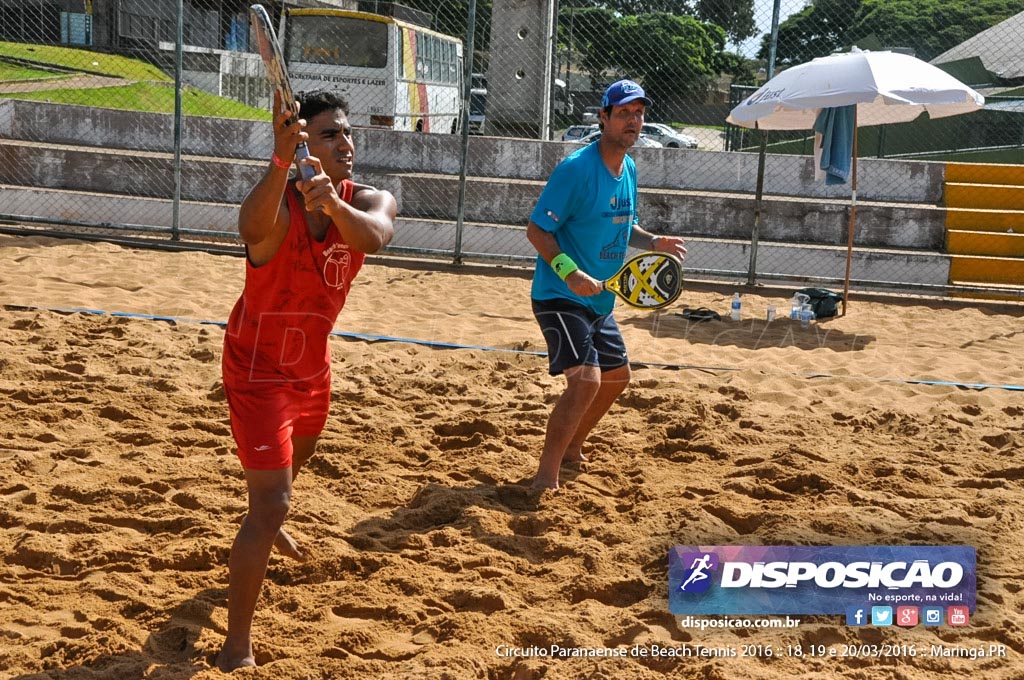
pixel 881 616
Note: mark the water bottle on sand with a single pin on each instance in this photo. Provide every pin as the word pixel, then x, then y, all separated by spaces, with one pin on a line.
pixel 806 315
pixel 796 303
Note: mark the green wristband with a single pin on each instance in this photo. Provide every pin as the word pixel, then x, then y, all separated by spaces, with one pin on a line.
pixel 563 265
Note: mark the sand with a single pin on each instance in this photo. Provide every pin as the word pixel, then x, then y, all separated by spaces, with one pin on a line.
pixel 120 493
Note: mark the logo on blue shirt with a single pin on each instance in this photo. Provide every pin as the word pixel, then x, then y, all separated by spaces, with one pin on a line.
pixel 616 250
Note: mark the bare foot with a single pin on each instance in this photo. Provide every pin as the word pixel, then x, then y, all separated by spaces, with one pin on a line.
pixel 287 546
pixel 543 484
pixel 576 457
pixel 229 662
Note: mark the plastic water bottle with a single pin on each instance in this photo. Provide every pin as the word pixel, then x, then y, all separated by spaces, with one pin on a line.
pixel 770 314
pixel 794 307
pixel 737 307
pixel 806 315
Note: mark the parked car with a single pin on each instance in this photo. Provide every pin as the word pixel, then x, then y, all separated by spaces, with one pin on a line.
pixel 590 114
pixel 643 140
pixel 669 137
pixel 574 133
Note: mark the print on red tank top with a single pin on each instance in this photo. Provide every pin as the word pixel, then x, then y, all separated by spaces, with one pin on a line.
pixel 278 329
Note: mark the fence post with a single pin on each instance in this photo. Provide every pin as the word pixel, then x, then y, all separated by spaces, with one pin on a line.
pixel 758 200
pixel 551 37
pixel 179 39
pixel 467 85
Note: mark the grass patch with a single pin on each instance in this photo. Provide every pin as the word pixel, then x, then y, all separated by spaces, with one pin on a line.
pixel 98 62
pixel 152 97
pixel 12 72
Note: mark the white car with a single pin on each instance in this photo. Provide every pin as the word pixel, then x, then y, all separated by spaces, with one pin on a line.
pixel 669 137
pixel 590 115
pixel 575 133
pixel 643 140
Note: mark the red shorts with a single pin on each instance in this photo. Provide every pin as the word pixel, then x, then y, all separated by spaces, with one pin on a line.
pixel 264 421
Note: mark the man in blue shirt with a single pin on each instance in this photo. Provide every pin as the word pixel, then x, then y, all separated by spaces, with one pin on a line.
pixel 581 227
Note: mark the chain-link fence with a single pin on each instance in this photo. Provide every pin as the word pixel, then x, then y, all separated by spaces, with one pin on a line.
pixel 463 108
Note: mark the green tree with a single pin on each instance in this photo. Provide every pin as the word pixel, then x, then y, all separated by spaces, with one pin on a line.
pixel 735 16
pixel 928 27
pixel 636 7
pixel 450 17
pixel 742 70
pixel 672 55
pixel 593 33
pixel 816 31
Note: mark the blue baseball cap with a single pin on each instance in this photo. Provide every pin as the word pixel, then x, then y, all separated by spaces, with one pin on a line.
pixel 623 92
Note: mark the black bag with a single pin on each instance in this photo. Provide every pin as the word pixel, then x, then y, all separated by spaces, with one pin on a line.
pixel 824 302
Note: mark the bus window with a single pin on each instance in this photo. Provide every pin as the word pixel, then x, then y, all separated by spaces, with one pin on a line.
pixel 453 63
pixel 313 40
pixel 435 58
pixel 431 58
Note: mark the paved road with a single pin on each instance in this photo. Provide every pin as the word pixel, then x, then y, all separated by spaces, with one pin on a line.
pixel 708 139
pixel 72 83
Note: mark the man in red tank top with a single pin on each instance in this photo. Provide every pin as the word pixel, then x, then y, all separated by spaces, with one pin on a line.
pixel 305 241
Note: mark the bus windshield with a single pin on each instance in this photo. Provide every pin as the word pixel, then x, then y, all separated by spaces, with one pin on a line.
pixel 313 40
pixel 477 102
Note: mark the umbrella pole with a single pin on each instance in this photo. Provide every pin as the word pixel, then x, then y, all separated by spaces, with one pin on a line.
pixel 853 217
pixel 758 207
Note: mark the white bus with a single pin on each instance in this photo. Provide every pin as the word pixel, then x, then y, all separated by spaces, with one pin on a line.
pixel 394 74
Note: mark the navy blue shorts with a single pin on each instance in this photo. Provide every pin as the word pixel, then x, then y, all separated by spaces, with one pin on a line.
pixel 576 336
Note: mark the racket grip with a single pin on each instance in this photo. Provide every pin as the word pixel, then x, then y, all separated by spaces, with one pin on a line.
pixel 307 171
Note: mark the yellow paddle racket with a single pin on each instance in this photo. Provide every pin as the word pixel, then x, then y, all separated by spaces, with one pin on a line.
pixel 648 280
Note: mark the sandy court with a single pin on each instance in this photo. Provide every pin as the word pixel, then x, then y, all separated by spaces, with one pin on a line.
pixel 120 493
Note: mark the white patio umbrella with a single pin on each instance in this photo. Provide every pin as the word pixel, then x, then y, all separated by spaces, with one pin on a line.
pixel 887 87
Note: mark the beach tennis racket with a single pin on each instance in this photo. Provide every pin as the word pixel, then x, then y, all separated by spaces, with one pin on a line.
pixel 648 280
pixel 273 60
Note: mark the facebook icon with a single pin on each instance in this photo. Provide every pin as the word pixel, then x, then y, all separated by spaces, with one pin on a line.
pixel 856 616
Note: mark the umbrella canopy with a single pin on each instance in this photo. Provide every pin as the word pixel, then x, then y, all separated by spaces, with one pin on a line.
pixel 887 87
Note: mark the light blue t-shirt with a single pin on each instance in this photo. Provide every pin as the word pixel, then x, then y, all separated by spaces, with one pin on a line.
pixel 591 215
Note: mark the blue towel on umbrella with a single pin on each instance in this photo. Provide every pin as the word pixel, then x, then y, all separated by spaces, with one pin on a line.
pixel 836 128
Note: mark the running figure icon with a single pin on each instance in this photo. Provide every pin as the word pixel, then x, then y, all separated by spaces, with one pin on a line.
pixel 698 571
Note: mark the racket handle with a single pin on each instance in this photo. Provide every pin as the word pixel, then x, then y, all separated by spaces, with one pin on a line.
pixel 301 153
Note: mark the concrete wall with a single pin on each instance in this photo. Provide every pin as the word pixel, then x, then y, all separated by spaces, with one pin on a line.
pixel 689 192
pixel 716 256
pixel 113 129
pixel 490 200
pixel 878 179
pixel 132 173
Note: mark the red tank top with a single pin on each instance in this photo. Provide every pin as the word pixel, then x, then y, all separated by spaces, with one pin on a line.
pixel 278 329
